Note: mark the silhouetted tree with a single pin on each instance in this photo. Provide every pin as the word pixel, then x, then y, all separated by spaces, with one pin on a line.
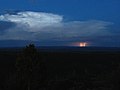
pixel 29 68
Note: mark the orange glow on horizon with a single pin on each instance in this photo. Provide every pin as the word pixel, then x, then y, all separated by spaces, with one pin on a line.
pixel 83 44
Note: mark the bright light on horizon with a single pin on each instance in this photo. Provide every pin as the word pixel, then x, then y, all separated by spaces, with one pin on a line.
pixel 81 44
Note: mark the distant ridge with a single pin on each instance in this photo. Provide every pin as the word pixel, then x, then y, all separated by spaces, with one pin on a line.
pixel 65 49
pixel 77 49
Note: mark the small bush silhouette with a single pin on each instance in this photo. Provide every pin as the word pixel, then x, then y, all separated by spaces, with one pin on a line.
pixel 30 69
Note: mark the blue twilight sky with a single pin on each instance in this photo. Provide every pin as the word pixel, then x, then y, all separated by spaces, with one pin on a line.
pixel 60 22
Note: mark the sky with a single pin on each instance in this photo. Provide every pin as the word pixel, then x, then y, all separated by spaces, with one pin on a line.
pixel 60 22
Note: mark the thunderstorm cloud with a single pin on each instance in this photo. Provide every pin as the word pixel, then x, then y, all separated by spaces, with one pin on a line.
pixel 43 26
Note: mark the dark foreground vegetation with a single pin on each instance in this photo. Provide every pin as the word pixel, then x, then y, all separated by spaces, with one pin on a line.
pixel 31 69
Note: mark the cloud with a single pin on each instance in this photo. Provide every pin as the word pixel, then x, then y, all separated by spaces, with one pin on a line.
pixel 33 19
pixel 43 26
pixel 5 25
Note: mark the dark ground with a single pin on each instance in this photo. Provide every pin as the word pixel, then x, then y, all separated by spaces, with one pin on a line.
pixel 69 70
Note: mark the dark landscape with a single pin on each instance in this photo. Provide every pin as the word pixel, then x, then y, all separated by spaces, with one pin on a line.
pixel 61 68
pixel 59 44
